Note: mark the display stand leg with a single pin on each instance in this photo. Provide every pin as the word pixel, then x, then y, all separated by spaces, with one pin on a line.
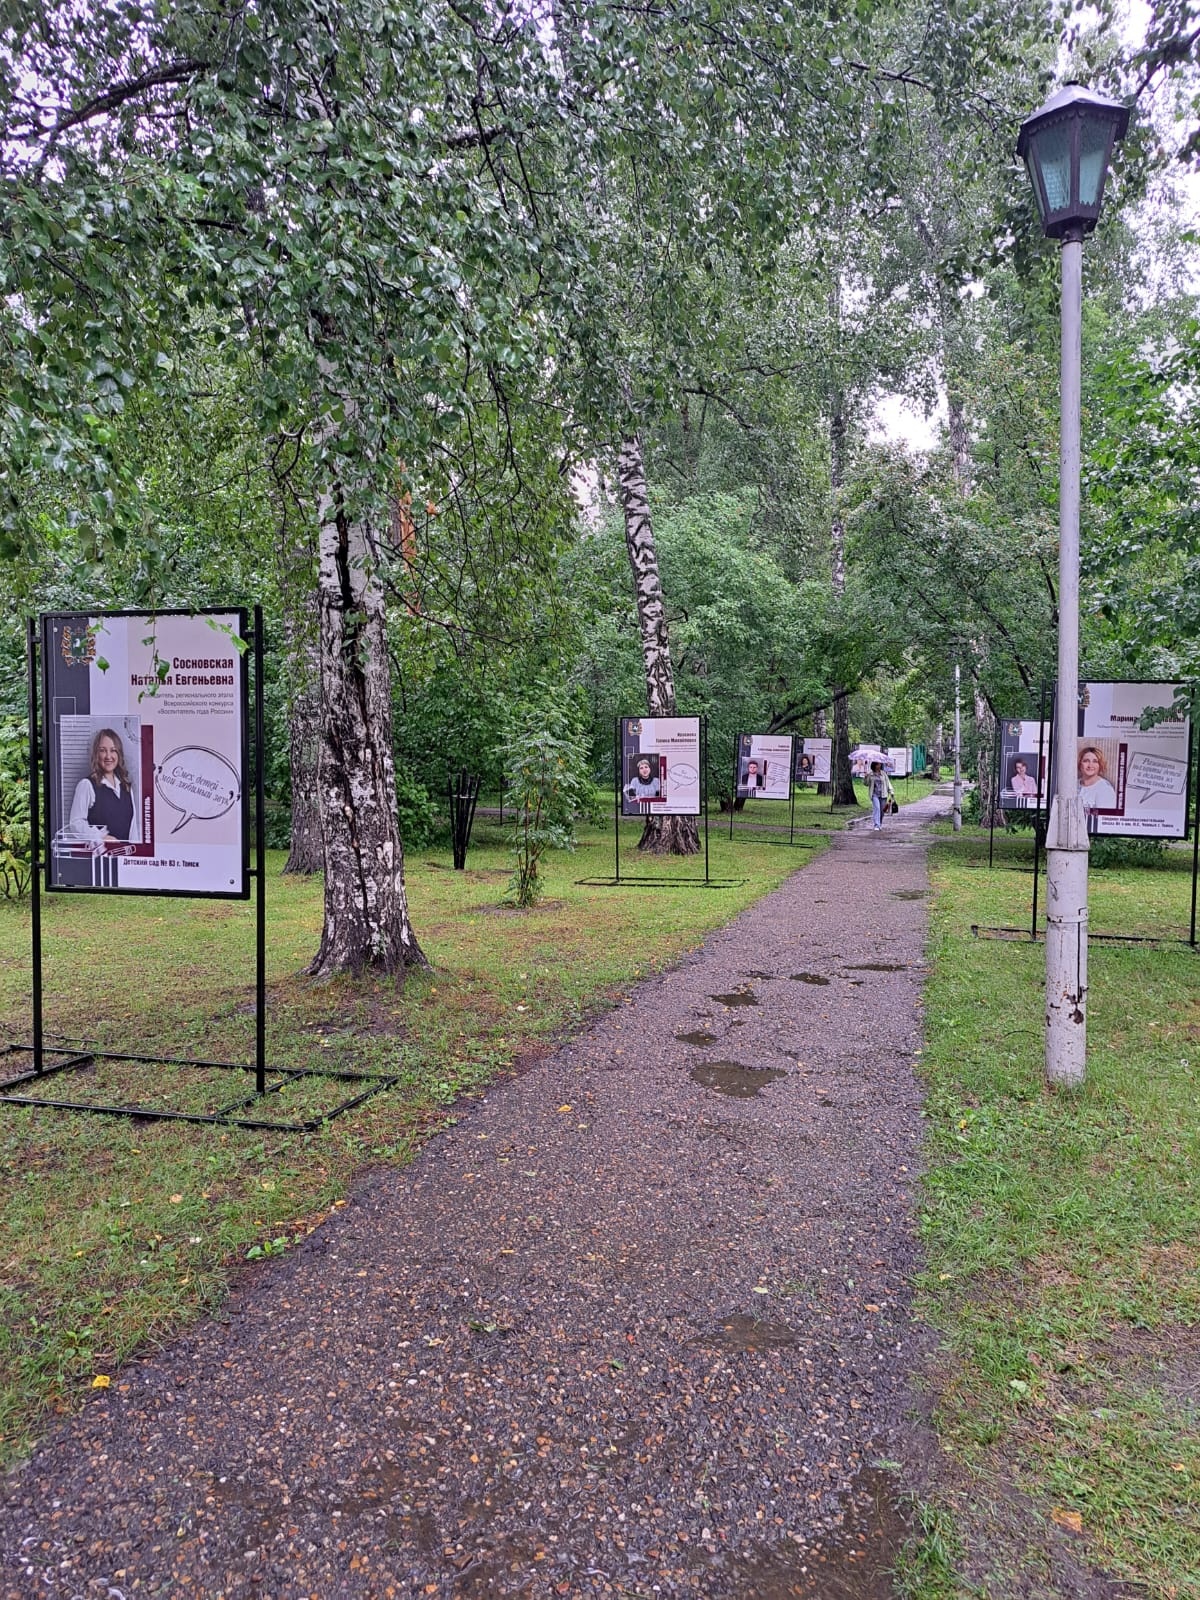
pixel 1195 845
pixel 260 864
pixel 792 818
pixel 1043 768
pixel 733 796
pixel 995 796
pixel 704 780
pixel 35 843
pixel 617 800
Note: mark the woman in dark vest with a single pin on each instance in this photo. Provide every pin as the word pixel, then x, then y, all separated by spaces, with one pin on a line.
pixel 103 807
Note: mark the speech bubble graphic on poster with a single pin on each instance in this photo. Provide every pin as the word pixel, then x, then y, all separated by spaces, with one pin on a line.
pixel 198 783
pixel 1154 774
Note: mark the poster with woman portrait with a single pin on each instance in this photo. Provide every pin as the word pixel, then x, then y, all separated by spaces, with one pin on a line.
pixel 814 760
pixel 145 727
pixel 1024 755
pixel 660 766
pixel 1133 755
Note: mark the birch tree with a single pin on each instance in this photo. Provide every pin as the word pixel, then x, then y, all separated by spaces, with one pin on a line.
pixel 673 835
pixel 359 195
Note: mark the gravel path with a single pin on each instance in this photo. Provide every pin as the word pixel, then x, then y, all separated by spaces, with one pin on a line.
pixel 637 1326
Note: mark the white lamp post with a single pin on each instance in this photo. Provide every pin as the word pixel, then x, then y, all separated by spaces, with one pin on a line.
pixel 1066 147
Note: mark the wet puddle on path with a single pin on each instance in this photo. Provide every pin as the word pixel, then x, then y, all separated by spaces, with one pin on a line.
pixel 732 1078
pixel 857 1564
pixel 739 997
pixel 697 1036
pixel 909 894
pixel 740 1332
pixel 879 966
pixel 809 977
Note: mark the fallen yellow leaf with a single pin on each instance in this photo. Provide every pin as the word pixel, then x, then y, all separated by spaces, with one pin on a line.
pixel 176 1199
pixel 564 1108
pixel 101 1381
pixel 1067 1519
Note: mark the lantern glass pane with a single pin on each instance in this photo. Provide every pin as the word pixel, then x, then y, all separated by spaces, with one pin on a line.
pixel 1053 153
pixel 1094 141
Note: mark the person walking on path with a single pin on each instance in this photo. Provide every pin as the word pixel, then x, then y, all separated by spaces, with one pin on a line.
pixel 879 788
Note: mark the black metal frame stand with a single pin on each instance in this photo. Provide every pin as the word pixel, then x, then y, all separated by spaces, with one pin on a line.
pixel 791 838
pixel 1039 840
pixel 69 1054
pixel 463 797
pixel 658 882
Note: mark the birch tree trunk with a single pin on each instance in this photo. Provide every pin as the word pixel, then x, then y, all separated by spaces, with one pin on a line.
pixel 843 778
pixel 985 725
pixel 821 731
pixel 366 925
pixel 303 665
pixel 936 755
pixel 305 854
pixel 677 836
pixel 985 763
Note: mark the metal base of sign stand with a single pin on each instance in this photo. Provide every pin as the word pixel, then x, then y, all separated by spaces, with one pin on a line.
pixel 660 883
pixel 46 1060
pixel 763 826
pixel 621 880
pixel 981 931
pixel 56 1060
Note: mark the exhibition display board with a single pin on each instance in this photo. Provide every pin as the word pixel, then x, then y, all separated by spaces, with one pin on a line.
pixel 1024 765
pixel 1134 780
pixel 814 760
pixel 763 766
pixel 1134 757
pixel 660 766
pixel 146 753
pixel 143 737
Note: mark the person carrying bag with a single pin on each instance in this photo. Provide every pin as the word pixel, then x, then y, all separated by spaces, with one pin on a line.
pixel 880 791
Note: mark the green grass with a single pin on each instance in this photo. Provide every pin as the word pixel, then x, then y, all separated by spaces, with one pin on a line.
pixel 1063 1238
pixel 115 1233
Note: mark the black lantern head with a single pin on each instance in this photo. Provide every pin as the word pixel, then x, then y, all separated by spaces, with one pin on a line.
pixel 1066 146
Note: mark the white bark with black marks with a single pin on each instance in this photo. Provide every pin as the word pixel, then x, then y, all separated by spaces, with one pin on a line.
pixel 304 732
pixel 677 836
pixel 304 711
pixel 367 925
pixel 840 771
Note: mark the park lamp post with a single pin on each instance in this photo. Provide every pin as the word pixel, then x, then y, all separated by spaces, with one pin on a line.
pixel 1066 147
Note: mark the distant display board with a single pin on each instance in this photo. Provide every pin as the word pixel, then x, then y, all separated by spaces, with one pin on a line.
pixel 814 760
pixel 660 766
pixel 145 726
pixel 897 754
pixel 1024 762
pixel 764 766
pixel 1133 781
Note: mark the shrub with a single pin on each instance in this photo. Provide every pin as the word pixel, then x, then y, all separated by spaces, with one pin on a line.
pixel 1105 852
pixel 417 812
pixel 16 867
pixel 545 757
